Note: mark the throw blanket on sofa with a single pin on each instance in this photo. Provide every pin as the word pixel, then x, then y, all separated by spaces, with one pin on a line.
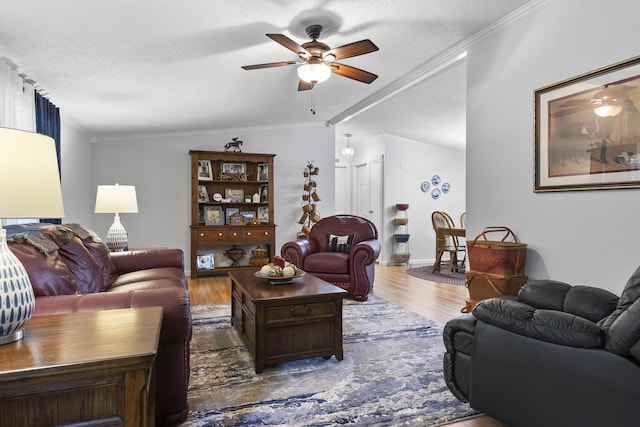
pixel 46 238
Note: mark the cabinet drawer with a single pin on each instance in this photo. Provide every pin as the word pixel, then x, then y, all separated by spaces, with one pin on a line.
pixel 256 234
pixel 290 312
pixel 217 234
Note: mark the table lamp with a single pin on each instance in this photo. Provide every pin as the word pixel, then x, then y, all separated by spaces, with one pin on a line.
pixel 29 188
pixel 116 199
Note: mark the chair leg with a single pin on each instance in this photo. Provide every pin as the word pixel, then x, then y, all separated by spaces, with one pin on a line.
pixel 436 264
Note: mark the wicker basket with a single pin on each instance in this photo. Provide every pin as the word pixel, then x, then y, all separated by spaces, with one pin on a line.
pixel 505 257
pixel 485 286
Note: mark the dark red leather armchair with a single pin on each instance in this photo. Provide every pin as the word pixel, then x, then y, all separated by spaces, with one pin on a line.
pixel 341 249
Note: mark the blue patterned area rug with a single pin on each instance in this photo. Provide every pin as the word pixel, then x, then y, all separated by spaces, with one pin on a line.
pixel 391 375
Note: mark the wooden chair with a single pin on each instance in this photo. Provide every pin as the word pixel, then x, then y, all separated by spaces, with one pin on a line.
pixel 447 241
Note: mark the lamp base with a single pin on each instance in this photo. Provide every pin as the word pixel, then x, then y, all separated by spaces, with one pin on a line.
pixel 16 336
pixel 117 238
pixel 17 301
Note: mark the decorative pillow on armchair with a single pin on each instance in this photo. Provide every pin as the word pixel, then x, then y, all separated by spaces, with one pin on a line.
pixel 339 243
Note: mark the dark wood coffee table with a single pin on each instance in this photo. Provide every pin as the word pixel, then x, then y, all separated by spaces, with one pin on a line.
pixel 285 322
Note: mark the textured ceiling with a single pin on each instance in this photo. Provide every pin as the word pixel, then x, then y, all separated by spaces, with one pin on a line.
pixel 126 67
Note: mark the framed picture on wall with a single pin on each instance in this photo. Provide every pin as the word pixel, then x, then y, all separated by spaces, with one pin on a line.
pixel 587 130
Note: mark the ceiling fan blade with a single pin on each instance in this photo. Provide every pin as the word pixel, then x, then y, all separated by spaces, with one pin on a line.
pixel 268 65
pixel 353 49
pixel 289 44
pixel 353 73
pixel 303 85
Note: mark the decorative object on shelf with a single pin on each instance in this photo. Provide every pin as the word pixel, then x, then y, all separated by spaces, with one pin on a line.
pixel 116 199
pixel 263 172
pixel 236 218
pixel 256 198
pixel 213 215
pixel 259 257
pixel 310 215
pixel 263 214
pixel 205 261
pixel 203 194
pixel 233 172
pixel 235 143
pixel 235 254
pixel 17 184
pixel 347 151
pixel 205 172
pixel 235 195
pixel 217 197
pixel 400 254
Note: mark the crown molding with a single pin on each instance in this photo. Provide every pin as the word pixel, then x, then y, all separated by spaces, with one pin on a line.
pixel 433 66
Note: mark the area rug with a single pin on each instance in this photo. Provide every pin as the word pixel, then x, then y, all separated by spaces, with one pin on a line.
pixel 391 375
pixel 455 278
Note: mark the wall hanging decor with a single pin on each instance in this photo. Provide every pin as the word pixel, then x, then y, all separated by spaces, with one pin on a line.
pixel 310 214
pixel 587 130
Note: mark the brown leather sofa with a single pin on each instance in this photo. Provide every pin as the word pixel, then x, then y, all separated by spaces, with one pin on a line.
pixel 341 249
pixel 72 270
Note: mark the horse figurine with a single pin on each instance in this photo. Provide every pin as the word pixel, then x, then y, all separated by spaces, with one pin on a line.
pixel 235 144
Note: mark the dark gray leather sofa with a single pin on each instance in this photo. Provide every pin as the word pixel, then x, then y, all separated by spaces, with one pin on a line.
pixel 555 355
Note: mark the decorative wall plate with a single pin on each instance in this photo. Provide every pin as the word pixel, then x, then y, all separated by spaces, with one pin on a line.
pixel 425 186
pixel 446 187
pixel 435 193
pixel 435 179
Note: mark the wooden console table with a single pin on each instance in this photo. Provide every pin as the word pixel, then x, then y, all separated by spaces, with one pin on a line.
pixel 281 323
pixel 90 369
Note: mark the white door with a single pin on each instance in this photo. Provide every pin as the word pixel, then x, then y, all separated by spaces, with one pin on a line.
pixel 376 168
pixel 369 184
pixel 363 194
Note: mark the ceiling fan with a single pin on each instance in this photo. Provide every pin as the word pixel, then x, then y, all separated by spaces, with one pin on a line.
pixel 317 60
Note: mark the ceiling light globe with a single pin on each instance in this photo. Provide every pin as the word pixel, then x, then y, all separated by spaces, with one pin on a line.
pixel 314 73
pixel 347 151
pixel 608 110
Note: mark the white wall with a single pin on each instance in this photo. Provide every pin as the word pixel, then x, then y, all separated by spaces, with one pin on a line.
pixel 407 165
pixel 77 172
pixel 159 166
pixel 583 237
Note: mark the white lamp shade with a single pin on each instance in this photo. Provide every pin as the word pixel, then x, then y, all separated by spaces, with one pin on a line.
pixel 116 199
pixel 314 73
pixel 29 176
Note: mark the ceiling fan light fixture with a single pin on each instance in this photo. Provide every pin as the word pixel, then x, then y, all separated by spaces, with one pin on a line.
pixel 314 73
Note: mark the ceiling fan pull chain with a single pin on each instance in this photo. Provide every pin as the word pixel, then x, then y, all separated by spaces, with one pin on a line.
pixel 313 103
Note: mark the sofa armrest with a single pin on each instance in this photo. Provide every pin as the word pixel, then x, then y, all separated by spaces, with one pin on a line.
pixel 585 301
pixel 143 259
pixel 552 326
pixel 367 251
pixel 623 336
pixel 176 317
pixel 296 251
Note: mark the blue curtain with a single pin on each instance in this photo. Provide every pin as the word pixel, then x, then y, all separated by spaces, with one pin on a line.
pixel 48 123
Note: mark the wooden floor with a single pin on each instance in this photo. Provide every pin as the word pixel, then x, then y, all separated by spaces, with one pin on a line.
pixel 437 301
